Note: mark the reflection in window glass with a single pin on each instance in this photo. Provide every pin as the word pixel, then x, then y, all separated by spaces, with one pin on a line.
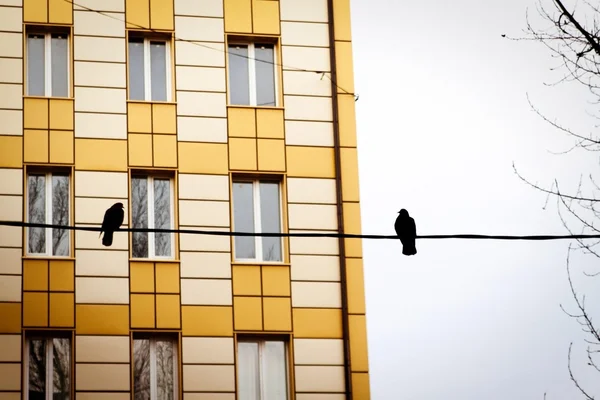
pixel 265 75
pixel 49 369
pixel 162 216
pixel 60 214
pixel 136 69
pixel 36 209
pixel 165 374
pixel 139 215
pixel 158 70
pixel 243 219
pixel 59 57
pixel 37 370
pixel 262 370
pixel 154 369
pixel 36 66
pixel 61 374
pixel 239 82
pixel 270 220
pixel 141 369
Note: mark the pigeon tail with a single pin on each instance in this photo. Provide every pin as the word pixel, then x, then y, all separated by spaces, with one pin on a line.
pixel 107 239
pixel 409 250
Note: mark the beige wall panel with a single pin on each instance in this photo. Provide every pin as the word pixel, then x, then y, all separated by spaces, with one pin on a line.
pixel 318 352
pixel 206 292
pixel 102 126
pixel 320 396
pixel 10 288
pixel 100 100
pixel 12 180
pixel 10 348
pixel 201 187
pixel 199 55
pixel 309 58
pixel 102 263
pixel 319 379
pixel 102 396
pixel 315 268
pixel 10 376
pixel 201 104
pixel 204 29
pixel 208 396
pixel 95 24
pixel 11 19
pixel 11 96
pixel 99 49
pixel 190 242
pixel 206 378
pixel 102 349
pixel 200 78
pixel 304 133
pixel 104 5
pixel 312 216
pixel 306 10
pixel 11 208
pixel 316 295
pixel 101 184
pixel 307 190
pixel 205 8
pixel 10 396
pixel 91 241
pixel 303 34
pixel 102 377
pixel 201 129
pixel 205 265
pixel 12 70
pixel 11 260
pixel 12 122
pixel 207 350
pixel 313 245
pixel 100 74
pixel 91 210
pixel 305 83
pixel 11 44
pixel 102 290
pixel 205 213
pixel 18 3
pixel 308 108
pixel 10 236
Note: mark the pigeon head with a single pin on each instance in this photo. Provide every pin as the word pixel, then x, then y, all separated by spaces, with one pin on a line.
pixel 118 205
pixel 403 213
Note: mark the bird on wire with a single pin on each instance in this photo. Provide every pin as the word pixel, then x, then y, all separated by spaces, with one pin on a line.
pixel 406 230
pixel 113 218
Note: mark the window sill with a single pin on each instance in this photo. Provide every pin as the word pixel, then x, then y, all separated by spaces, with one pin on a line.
pixel 151 102
pixel 26 96
pixel 45 257
pixel 154 260
pixel 258 262
pixel 255 107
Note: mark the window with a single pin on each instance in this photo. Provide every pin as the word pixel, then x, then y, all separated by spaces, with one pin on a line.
pixel 262 370
pixel 154 369
pixel 48 64
pixel 48 203
pixel 252 74
pixel 48 368
pixel 256 208
pixel 152 207
pixel 149 69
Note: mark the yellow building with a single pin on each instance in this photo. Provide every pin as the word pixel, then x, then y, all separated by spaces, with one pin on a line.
pixel 195 114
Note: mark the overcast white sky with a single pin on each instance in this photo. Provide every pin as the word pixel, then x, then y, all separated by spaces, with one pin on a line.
pixel 442 116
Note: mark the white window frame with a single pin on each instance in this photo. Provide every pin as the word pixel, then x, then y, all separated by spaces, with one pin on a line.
pixel 261 362
pixel 252 72
pixel 48 208
pixel 48 63
pixel 151 245
pixel 257 219
pixel 153 377
pixel 49 366
pixel 148 65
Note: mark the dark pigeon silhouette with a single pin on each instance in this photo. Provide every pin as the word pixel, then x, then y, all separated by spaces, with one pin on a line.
pixel 407 232
pixel 113 218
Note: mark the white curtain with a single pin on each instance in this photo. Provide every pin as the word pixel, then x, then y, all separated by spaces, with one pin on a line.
pixel 248 371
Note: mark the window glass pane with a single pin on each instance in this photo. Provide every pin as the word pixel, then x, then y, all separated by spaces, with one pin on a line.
pixel 239 85
pixel 36 203
pixel 59 57
pixel 141 369
pixel 243 219
pixel 136 69
pixel 248 371
pixel 265 75
pixel 139 215
pixel 270 220
pixel 274 371
pixel 60 214
pixel 158 70
pixel 164 370
pixel 61 364
pixel 35 65
pixel 162 216
pixel 37 369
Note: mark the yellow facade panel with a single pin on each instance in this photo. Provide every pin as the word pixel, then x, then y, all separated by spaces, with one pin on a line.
pixel 349 161
pixel 341 18
pixel 137 14
pixel 246 280
pixel 35 274
pixel 167 278
pixel 317 323
pixel 60 12
pixel 353 248
pixel 352 223
pixel 91 154
pixel 247 312
pixel 142 311
pixel 62 275
pixel 35 113
pixel 11 151
pixel 269 123
pixel 62 147
pixel 310 162
pixel 242 154
pixel 271 154
pixel 207 321
pixel 36 146
pixel 360 386
pixel 140 150
pixel 102 319
pixel 356 286
pixel 139 118
pixel 62 310
pixel 161 14
pixel 347 120
pixel 241 122
pixel 35 309
pixel 35 11
pixel 275 281
pixel 208 158
pixel 277 313
pixel 345 70
pixel 265 15
pixel 61 111
pixel 11 318
pixel 141 277
pixel 164 118
pixel 358 343
pixel 165 150
pixel 167 311
pixel 238 16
